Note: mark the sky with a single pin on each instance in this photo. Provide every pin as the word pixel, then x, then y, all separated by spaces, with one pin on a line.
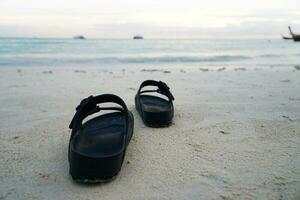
pixel 150 18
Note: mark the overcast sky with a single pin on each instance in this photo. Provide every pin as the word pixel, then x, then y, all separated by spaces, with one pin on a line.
pixel 151 18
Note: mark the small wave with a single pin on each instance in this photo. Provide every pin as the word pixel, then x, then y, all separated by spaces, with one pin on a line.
pixel 24 61
pixel 182 59
pixel 269 55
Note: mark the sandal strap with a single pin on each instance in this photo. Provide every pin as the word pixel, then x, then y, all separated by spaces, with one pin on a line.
pixel 88 106
pixel 163 88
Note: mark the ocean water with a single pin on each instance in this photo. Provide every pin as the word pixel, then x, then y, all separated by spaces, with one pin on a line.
pixel 18 52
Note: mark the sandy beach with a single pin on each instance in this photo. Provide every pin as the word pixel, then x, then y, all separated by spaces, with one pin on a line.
pixel 236 133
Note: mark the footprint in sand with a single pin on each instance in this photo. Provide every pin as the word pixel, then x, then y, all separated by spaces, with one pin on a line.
pixel 294 99
pixel 240 69
pixel 297 67
pixel 285 81
pixel 47 72
pixel 80 71
pixel 221 69
pixel 149 70
pixel 204 69
pixel 289 118
pixel 224 132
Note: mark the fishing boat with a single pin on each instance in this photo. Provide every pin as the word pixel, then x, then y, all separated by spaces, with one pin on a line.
pixel 295 37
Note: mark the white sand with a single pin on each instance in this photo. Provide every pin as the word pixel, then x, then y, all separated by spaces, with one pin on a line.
pixel 236 134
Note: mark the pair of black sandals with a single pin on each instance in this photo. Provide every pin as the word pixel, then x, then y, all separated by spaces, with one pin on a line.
pixel 97 147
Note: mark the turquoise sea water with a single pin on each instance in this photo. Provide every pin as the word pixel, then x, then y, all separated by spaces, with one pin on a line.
pixel 68 52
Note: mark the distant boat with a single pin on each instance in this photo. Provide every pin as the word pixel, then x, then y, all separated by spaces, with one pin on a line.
pixel 79 37
pixel 138 37
pixel 294 36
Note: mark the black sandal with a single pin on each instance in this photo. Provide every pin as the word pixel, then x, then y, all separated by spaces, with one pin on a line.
pixel 97 147
pixel 155 111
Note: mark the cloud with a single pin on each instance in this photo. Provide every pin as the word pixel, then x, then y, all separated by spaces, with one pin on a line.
pixel 166 19
pixel 248 28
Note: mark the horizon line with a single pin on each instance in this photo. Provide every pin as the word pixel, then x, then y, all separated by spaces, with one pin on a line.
pixel 150 38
